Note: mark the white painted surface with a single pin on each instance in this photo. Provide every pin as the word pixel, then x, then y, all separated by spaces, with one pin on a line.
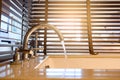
pixel 83 62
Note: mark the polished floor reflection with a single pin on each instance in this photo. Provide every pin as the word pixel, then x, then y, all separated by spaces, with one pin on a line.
pixel 27 71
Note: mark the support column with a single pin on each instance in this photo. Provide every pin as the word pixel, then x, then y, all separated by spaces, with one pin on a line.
pixel 0 11
pixel 36 43
pixel 22 21
pixel 45 32
pixel 89 27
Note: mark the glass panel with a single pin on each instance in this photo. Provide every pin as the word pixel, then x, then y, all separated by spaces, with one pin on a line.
pixel 4 26
pixel 16 30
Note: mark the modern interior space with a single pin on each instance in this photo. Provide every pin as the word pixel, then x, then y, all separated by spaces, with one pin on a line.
pixel 59 39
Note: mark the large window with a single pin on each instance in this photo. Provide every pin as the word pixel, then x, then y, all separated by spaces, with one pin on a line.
pixel 4 25
pixel 11 20
pixel 14 17
pixel 71 18
pixel 14 25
